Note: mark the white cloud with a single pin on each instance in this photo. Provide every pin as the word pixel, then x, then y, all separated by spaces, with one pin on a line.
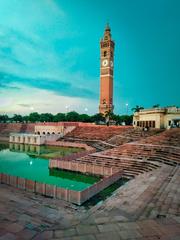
pixel 42 101
pixel 30 48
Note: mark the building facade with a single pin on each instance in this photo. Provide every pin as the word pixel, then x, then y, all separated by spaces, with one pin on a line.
pixel 106 72
pixel 157 117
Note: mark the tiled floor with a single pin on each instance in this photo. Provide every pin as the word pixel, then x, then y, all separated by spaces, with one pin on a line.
pixel 147 207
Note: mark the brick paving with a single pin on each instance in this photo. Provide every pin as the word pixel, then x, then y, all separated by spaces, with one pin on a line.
pixel 147 207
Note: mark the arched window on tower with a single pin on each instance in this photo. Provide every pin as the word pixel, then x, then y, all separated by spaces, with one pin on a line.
pixel 111 54
pixel 105 53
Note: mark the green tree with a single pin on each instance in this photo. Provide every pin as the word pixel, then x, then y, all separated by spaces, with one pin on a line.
pixel 109 115
pixel 137 108
pixel 84 118
pixel 34 117
pixel 156 106
pixel 26 119
pixel 97 118
pixel 4 118
pixel 72 116
pixel 46 117
pixel 59 117
pixel 17 118
pixel 127 119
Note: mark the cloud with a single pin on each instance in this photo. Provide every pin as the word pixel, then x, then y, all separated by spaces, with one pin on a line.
pixel 58 87
pixel 24 105
pixel 40 100
pixel 38 52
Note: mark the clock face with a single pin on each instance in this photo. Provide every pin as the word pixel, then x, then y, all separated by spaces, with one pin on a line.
pixel 105 62
pixel 111 63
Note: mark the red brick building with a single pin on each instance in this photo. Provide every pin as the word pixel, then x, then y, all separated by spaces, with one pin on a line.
pixel 106 72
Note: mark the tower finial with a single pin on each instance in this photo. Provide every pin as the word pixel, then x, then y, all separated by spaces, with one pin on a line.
pixel 107 27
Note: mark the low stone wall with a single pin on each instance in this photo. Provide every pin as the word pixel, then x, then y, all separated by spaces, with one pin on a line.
pixel 77 197
pixel 82 167
pixel 73 156
pixel 70 144
pixel 99 186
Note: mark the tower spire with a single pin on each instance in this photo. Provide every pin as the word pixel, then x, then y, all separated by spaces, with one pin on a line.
pixel 107 27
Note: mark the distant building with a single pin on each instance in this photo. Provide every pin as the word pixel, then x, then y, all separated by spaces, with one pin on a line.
pixel 157 117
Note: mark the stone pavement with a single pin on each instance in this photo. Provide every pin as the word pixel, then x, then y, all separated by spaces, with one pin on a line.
pixel 147 207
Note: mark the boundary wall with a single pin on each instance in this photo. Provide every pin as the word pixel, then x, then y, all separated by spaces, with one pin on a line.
pixel 82 167
pixel 77 197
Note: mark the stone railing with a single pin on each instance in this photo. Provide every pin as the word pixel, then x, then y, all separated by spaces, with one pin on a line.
pixel 82 167
pixel 77 197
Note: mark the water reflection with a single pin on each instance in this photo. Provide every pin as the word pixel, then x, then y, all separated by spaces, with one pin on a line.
pixel 42 151
pixel 26 148
pixel 4 146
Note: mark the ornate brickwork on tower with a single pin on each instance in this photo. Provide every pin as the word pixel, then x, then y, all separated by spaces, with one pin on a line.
pixel 106 72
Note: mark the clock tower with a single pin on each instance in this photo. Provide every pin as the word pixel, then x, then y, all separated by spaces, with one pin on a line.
pixel 106 72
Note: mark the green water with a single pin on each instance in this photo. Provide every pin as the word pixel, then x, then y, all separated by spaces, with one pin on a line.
pixel 43 151
pixel 16 162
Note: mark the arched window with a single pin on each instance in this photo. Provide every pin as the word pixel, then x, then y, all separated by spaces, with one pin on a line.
pixel 38 133
pixel 105 53
pixel 53 132
pixel 48 133
pixel 44 133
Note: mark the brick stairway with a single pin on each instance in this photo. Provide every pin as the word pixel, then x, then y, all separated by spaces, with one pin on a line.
pixel 130 167
pixel 132 135
pixel 96 132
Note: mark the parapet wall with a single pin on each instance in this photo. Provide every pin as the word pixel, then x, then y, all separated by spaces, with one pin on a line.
pixel 77 197
pixel 82 167
pixel 71 144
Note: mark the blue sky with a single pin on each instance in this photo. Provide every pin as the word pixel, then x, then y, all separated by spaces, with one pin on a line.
pixel 49 54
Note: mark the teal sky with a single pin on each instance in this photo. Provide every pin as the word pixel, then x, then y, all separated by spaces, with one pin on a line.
pixel 49 54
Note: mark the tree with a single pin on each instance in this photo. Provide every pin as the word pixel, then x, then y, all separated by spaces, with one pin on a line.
pixel 127 119
pixel 156 106
pixel 84 118
pixel 17 118
pixel 108 116
pixel 26 119
pixel 46 117
pixel 137 108
pixel 34 117
pixel 59 117
pixel 72 116
pixel 4 118
pixel 97 118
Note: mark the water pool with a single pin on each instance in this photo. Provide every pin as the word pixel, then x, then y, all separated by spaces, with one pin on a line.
pixel 18 163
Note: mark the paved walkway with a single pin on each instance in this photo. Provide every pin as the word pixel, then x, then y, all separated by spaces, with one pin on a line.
pixel 147 207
